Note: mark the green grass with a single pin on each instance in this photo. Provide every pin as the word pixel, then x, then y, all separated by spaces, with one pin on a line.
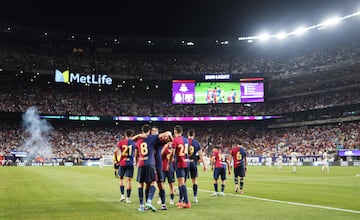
pixel 200 90
pixel 93 193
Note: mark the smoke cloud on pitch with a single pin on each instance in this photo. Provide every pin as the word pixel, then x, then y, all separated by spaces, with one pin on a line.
pixel 36 137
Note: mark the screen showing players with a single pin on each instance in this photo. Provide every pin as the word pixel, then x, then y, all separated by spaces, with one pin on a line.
pixel 199 92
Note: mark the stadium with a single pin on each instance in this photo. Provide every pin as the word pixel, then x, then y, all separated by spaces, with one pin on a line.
pixel 68 96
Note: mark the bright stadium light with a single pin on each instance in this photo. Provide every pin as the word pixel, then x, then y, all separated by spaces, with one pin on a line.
pixel 281 35
pixel 300 31
pixel 331 21
pixel 264 37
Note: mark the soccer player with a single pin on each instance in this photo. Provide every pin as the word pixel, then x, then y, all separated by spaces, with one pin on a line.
pixel 159 171
pixel 279 161
pixel 126 149
pixel 168 169
pixel 233 96
pixel 146 146
pixel 180 152
pixel 219 163
pixel 293 159
pixel 325 160
pixel 195 153
pixel 239 161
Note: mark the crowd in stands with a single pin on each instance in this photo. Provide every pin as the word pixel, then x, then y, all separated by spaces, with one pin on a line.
pixel 49 56
pixel 52 99
pixel 93 142
pixel 337 63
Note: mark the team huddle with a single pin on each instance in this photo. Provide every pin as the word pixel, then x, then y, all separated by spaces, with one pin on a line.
pixel 161 156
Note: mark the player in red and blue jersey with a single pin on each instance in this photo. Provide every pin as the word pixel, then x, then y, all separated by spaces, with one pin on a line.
pixel 195 153
pixel 233 96
pixel 146 146
pixel 219 164
pixel 209 95
pixel 168 169
pixel 238 159
pixel 159 172
pixel 180 152
pixel 126 150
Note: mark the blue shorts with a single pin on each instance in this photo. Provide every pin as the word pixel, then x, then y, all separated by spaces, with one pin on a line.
pixel 193 172
pixel 169 175
pixel 220 172
pixel 239 171
pixel 181 172
pixel 127 171
pixel 146 174
pixel 159 176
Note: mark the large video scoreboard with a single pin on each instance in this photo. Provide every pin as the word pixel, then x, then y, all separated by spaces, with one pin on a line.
pixel 218 89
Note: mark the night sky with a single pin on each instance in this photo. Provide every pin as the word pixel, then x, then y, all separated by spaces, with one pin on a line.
pixel 197 18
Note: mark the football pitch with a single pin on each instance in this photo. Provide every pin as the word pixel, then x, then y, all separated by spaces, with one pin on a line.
pixel 93 193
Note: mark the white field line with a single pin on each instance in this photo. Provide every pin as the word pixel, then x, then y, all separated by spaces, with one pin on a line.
pixel 286 202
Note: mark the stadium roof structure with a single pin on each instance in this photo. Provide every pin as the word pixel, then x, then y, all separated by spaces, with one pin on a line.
pixel 207 18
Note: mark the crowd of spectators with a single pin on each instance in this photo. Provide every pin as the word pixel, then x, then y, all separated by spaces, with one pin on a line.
pixel 28 57
pixel 93 142
pixel 52 99
pixel 321 77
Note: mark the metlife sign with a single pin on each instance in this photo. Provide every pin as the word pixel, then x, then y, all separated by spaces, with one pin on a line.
pixel 68 77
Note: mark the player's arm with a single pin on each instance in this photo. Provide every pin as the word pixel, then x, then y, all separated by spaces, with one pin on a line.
pixel 142 135
pixel 212 162
pixel 166 146
pixel 136 155
pixel 165 135
pixel 228 166
pixel 172 155
pixel 231 159
pixel 245 162
pixel 116 153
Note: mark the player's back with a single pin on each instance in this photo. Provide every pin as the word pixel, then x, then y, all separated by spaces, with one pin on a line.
pixel 180 144
pixel 127 148
pixel 194 147
pixel 146 148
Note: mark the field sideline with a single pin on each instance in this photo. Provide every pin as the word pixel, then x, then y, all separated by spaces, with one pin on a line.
pixel 93 193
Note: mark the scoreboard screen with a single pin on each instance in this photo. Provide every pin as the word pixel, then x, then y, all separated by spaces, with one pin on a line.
pixel 190 91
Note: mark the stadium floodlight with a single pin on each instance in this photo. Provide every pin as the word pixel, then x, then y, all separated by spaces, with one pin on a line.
pixel 263 37
pixel 299 31
pixel 331 21
pixel 281 35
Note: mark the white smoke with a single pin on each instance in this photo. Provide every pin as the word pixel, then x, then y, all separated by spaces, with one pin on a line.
pixel 36 139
